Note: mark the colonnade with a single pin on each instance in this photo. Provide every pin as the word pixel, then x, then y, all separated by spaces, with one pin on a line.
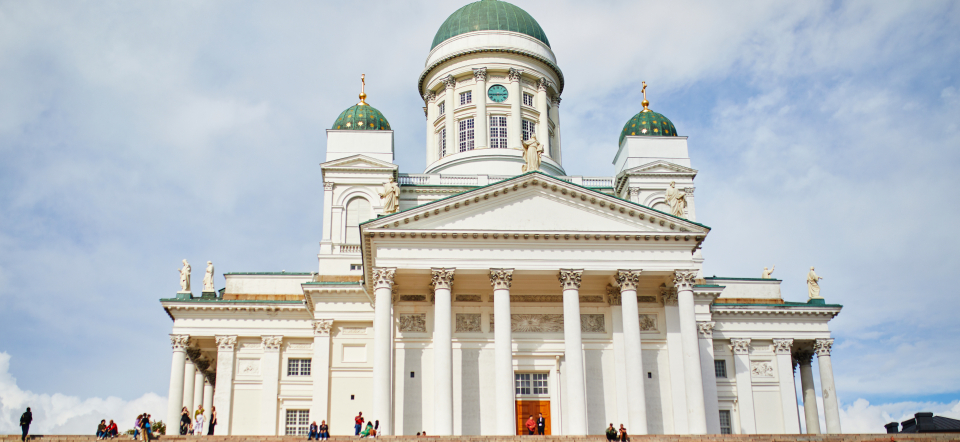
pixel 190 384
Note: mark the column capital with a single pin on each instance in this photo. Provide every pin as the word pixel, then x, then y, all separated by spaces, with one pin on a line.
pixel 226 342
pixel 613 295
pixel 804 357
pixel 782 346
pixel 705 329
pixel 570 278
pixel 543 84
pixel 741 346
pixel 669 295
pixel 514 74
pixel 449 82
pixel 442 278
pixel 628 279
pixel 327 185
pixel 271 343
pixel 556 101
pixel 429 97
pixel 179 342
pixel 383 277
pixel 684 279
pixel 501 278
pixel 321 327
pixel 480 74
pixel 822 347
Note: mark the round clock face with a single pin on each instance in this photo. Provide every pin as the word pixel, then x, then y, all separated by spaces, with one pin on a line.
pixel 497 93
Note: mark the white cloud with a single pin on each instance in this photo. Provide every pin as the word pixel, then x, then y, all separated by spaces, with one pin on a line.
pixel 62 414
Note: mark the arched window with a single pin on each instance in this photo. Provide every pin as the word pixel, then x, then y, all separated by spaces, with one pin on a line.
pixel 358 211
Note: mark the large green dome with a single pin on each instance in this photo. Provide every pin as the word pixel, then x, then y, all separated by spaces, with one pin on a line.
pixel 648 123
pixel 361 116
pixel 489 15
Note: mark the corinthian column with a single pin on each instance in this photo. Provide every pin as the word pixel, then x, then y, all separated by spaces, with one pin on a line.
pixel 636 398
pixel 684 280
pixel 382 344
pixel 189 378
pixel 320 370
pixel 543 125
pixel 442 282
pixel 430 111
pixel 811 416
pixel 573 351
pixel 710 398
pixel 449 122
pixel 506 420
pixel 270 368
pixel 175 395
pixel 788 388
pixel 741 363
pixel 480 96
pixel 223 393
pixel 831 408
pixel 514 129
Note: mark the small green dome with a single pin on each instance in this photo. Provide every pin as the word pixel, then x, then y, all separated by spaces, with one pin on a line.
pixel 489 15
pixel 361 116
pixel 648 123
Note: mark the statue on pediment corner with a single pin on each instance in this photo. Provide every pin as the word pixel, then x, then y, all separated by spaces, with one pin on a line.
pixel 184 277
pixel 676 199
pixel 813 284
pixel 532 153
pixel 766 273
pixel 208 278
pixel 390 197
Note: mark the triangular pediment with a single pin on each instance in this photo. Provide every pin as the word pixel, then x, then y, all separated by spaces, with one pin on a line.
pixel 661 167
pixel 357 162
pixel 536 202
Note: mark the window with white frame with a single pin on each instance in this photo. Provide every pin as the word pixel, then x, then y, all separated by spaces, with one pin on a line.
pixel 725 425
pixel 529 127
pixel 355 267
pixel 720 368
pixel 527 99
pixel 466 97
pixel 441 108
pixel 298 367
pixel 498 131
pixel 298 422
pixel 442 142
pixel 358 211
pixel 531 383
pixel 466 134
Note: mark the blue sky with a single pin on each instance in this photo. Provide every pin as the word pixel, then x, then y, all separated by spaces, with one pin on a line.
pixel 136 134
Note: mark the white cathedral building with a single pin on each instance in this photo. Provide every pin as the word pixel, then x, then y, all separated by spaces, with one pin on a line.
pixel 492 293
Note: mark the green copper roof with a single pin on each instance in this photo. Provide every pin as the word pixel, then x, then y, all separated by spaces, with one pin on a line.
pixel 648 124
pixel 361 116
pixel 489 15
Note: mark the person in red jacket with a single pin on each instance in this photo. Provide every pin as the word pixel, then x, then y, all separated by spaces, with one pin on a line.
pixel 531 426
pixel 112 429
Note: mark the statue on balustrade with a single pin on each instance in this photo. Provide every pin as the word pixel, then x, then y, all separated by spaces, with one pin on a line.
pixel 184 277
pixel 390 198
pixel 532 152
pixel 766 273
pixel 208 278
pixel 813 284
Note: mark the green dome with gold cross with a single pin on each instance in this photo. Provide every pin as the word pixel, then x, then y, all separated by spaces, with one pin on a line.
pixel 361 116
pixel 648 123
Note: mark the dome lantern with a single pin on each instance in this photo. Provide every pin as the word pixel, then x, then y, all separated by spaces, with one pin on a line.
pixel 648 123
pixel 361 116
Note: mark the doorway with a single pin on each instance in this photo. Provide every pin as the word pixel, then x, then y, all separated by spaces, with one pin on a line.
pixel 532 407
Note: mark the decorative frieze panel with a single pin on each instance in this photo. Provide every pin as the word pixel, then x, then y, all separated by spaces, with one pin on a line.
pixel 592 323
pixel 248 367
pixel 761 369
pixel 536 298
pixel 416 322
pixel 648 322
pixel 299 346
pixel 649 299
pixel 591 298
pixel 413 298
pixel 469 298
pixel 353 330
pixel 251 346
pixel 468 323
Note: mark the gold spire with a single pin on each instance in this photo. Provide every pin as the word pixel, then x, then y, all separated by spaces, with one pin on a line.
pixel 363 95
pixel 645 103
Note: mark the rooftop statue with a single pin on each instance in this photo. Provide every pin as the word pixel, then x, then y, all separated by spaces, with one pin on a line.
pixel 813 284
pixel 185 277
pixel 766 273
pixel 208 278
pixel 390 197
pixel 532 151
pixel 676 199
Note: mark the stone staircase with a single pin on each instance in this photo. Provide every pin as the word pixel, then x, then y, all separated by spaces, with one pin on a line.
pixel 928 437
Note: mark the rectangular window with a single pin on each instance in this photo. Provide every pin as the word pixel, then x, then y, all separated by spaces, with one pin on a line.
pixel 441 108
pixel 540 383
pixel 720 368
pixel 529 127
pixel 354 267
pixel 298 422
pixel 725 427
pixel 442 142
pixel 298 367
pixel 527 99
pixel 498 132
pixel 466 97
pixel 531 383
pixel 466 134
pixel 522 383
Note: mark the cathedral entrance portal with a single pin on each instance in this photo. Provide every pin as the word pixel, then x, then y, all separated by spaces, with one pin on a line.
pixel 532 407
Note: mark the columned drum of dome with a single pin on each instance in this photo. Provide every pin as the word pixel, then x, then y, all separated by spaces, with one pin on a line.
pixel 489 15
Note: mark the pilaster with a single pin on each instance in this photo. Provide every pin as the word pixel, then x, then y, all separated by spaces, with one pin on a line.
pixel 481 134
pixel 450 123
pixel 223 393
pixel 320 370
pixel 788 389
pixel 270 369
pixel 514 129
pixel 741 359
pixel 711 402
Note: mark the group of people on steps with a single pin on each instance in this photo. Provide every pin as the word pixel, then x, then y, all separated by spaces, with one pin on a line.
pixel 195 426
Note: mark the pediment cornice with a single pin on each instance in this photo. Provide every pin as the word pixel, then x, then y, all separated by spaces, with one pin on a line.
pixel 358 162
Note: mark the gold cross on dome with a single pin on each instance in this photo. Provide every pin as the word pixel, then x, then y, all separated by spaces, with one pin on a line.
pixel 644 90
